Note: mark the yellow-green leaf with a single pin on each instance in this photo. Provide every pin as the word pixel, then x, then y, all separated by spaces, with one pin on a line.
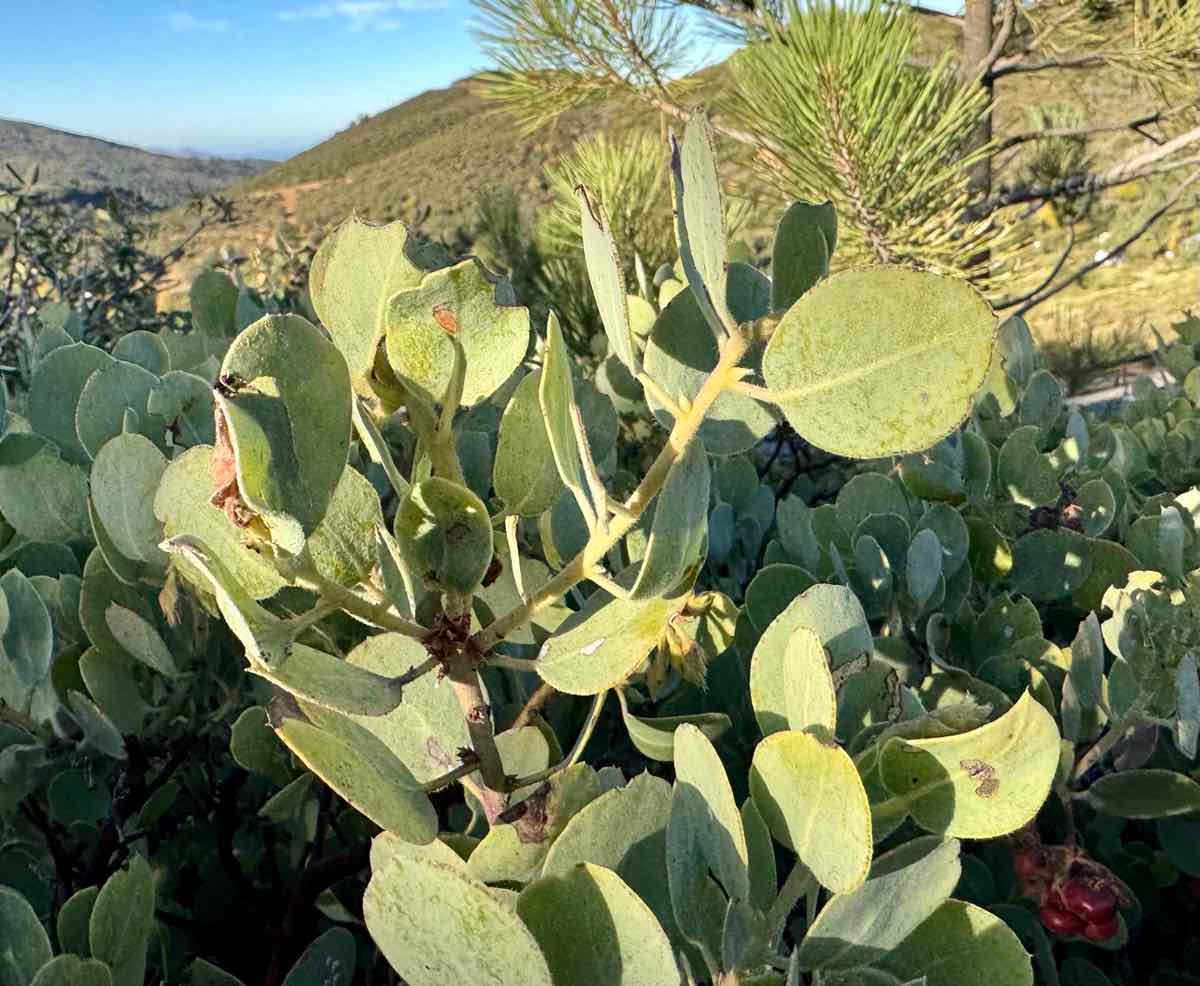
pixel 290 430
pixel 812 799
pixel 456 303
pixel 438 927
pixel 362 770
pixel 961 943
pixel 626 946
pixel 356 270
pixel 880 362
pixel 603 643
pixel 980 784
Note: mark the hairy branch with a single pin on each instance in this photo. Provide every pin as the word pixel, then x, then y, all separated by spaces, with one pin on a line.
pixel 983 70
pixel 1135 124
pixel 1117 250
pixel 723 375
pixel 1134 168
pixel 1049 279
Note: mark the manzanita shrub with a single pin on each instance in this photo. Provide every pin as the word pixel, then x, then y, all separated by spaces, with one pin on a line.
pixel 601 727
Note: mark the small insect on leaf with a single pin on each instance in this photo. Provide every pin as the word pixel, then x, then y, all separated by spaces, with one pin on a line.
pixel 446 319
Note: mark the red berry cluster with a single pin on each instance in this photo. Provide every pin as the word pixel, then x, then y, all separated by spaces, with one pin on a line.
pixel 1081 908
pixel 1077 896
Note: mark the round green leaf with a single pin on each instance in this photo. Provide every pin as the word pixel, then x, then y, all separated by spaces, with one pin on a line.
pixel 125 479
pixel 213 301
pixel 27 635
pixel 426 730
pixel 810 795
pixel 626 944
pixel 145 349
pixel 866 494
pixel 860 927
pixel 71 970
pixel 139 638
pixel 460 933
pixel 185 402
pixel 603 643
pixel 445 529
pixel 880 362
pixel 458 302
pixel 356 270
pixel 525 475
pixel 123 915
pixel 24 945
pixel 961 943
pixel 1099 505
pixel 804 242
pixel 1151 793
pixel 1050 564
pixel 182 504
pixel 1025 475
pixel 704 836
pixel 343 546
pixel 42 496
pixel 54 391
pixel 952 534
pixel 73 920
pixel 980 784
pixel 106 400
pixel 328 961
pixel 114 689
pixel 252 743
pixel 835 615
pixel 808 692
pixel 363 771
pixel 771 589
pixel 290 430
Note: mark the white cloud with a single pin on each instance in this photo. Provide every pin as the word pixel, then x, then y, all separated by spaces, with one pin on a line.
pixel 183 21
pixel 360 15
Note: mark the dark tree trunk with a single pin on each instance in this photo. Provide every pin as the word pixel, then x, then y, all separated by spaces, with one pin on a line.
pixel 977 43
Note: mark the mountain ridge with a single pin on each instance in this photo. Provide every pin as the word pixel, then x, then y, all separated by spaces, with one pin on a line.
pixel 85 168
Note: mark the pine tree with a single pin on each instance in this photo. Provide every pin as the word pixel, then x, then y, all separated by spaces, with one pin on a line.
pixel 837 101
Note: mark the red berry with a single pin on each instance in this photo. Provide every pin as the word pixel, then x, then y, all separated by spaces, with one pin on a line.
pixel 1096 905
pixel 1102 930
pixel 1060 922
pixel 1028 864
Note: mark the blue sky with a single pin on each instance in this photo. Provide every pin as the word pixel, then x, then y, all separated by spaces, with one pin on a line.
pixel 222 75
pixel 229 77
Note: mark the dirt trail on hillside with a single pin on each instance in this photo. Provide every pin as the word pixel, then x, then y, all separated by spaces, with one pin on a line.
pixel 289 195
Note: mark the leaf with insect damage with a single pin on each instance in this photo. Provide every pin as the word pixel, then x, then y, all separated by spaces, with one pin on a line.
pixel 979 784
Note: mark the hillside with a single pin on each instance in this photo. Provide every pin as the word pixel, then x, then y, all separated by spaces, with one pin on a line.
pixel 86 168
pixel 426 160
pixel 430 156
